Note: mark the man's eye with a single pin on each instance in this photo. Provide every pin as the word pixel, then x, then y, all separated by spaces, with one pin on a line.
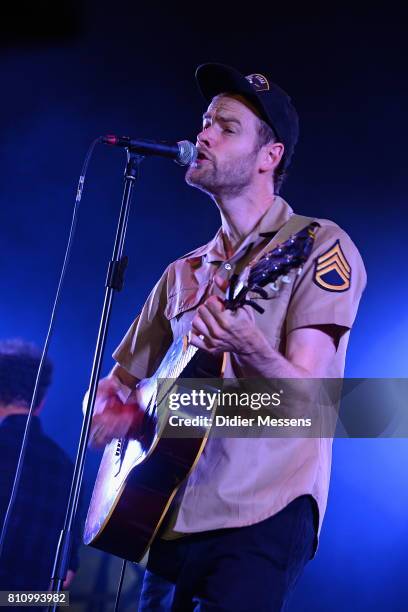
pixel 228 130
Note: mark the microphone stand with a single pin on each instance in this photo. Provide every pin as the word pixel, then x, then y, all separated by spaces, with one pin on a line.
pixel 114 282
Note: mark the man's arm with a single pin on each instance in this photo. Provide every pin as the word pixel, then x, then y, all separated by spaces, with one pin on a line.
pixel 309 350
pixel 308 356
pixel 309 353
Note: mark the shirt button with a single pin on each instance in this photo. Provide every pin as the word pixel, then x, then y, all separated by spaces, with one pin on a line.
pixel 227 266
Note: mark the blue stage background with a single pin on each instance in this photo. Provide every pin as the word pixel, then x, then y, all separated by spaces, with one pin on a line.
pixel 129 70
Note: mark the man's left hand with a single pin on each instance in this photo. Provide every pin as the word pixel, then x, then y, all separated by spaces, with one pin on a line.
pixel 216 329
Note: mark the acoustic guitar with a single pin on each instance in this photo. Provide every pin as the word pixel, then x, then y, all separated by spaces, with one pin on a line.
pixel 138 478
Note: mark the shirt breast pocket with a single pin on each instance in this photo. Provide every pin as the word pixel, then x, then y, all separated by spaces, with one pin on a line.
pixel 181 306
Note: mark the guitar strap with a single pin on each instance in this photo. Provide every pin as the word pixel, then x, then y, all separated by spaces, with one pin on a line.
pixel 293 225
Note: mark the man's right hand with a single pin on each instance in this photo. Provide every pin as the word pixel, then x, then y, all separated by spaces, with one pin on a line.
pixel 118 411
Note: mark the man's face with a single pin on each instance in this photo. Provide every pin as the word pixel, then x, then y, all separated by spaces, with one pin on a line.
pixel 227 144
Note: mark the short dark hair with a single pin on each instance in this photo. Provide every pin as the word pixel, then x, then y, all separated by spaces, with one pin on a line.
pixel 265 136
pixel 19 361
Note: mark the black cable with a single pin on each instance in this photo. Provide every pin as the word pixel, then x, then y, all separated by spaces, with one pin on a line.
pixel 119 591
pixel 21 457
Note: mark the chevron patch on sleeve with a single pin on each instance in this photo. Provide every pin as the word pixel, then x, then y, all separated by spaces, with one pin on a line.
pixel 332 271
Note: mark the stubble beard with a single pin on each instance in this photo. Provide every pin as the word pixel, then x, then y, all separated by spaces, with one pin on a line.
pixel 227 180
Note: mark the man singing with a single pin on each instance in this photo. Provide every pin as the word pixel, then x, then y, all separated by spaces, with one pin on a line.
pixel 247 520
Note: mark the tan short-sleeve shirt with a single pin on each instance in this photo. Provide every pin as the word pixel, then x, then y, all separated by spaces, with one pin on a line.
pixel 241 481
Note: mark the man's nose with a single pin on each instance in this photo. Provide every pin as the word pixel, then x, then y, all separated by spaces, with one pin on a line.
pixel 205 137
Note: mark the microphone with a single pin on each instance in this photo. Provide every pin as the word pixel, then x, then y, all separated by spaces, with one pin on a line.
pixel 183 152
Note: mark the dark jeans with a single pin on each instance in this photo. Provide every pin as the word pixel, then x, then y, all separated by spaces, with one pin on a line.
pixel 239 569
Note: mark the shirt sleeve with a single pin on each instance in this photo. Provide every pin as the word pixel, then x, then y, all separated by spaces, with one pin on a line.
pixel 149 336
pixel 329 289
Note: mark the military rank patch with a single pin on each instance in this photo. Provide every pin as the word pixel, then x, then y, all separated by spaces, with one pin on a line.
pixel 332 270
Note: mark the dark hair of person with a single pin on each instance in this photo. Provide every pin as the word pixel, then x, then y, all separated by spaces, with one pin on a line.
pixel 265 136
pixel 19 361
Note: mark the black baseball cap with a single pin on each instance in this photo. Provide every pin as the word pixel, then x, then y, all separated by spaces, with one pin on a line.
pixel 273 104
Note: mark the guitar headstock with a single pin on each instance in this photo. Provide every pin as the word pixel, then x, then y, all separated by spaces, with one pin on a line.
pixel 271 266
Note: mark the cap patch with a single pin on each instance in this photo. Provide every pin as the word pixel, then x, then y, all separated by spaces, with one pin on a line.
pixel 332 271
pixel 258 81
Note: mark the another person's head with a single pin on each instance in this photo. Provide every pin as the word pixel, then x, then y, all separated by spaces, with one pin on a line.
pixel 19 361
pixel 249 132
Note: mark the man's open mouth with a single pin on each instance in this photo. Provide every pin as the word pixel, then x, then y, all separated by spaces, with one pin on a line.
pixel 201 156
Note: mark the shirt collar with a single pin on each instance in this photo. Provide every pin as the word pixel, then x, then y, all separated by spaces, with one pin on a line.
pixel 273 219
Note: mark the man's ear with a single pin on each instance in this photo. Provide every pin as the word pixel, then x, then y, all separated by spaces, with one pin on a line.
pixel 271 155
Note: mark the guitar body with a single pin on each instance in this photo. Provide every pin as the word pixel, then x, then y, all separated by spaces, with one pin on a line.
pixel 136 504
pixel 138 479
